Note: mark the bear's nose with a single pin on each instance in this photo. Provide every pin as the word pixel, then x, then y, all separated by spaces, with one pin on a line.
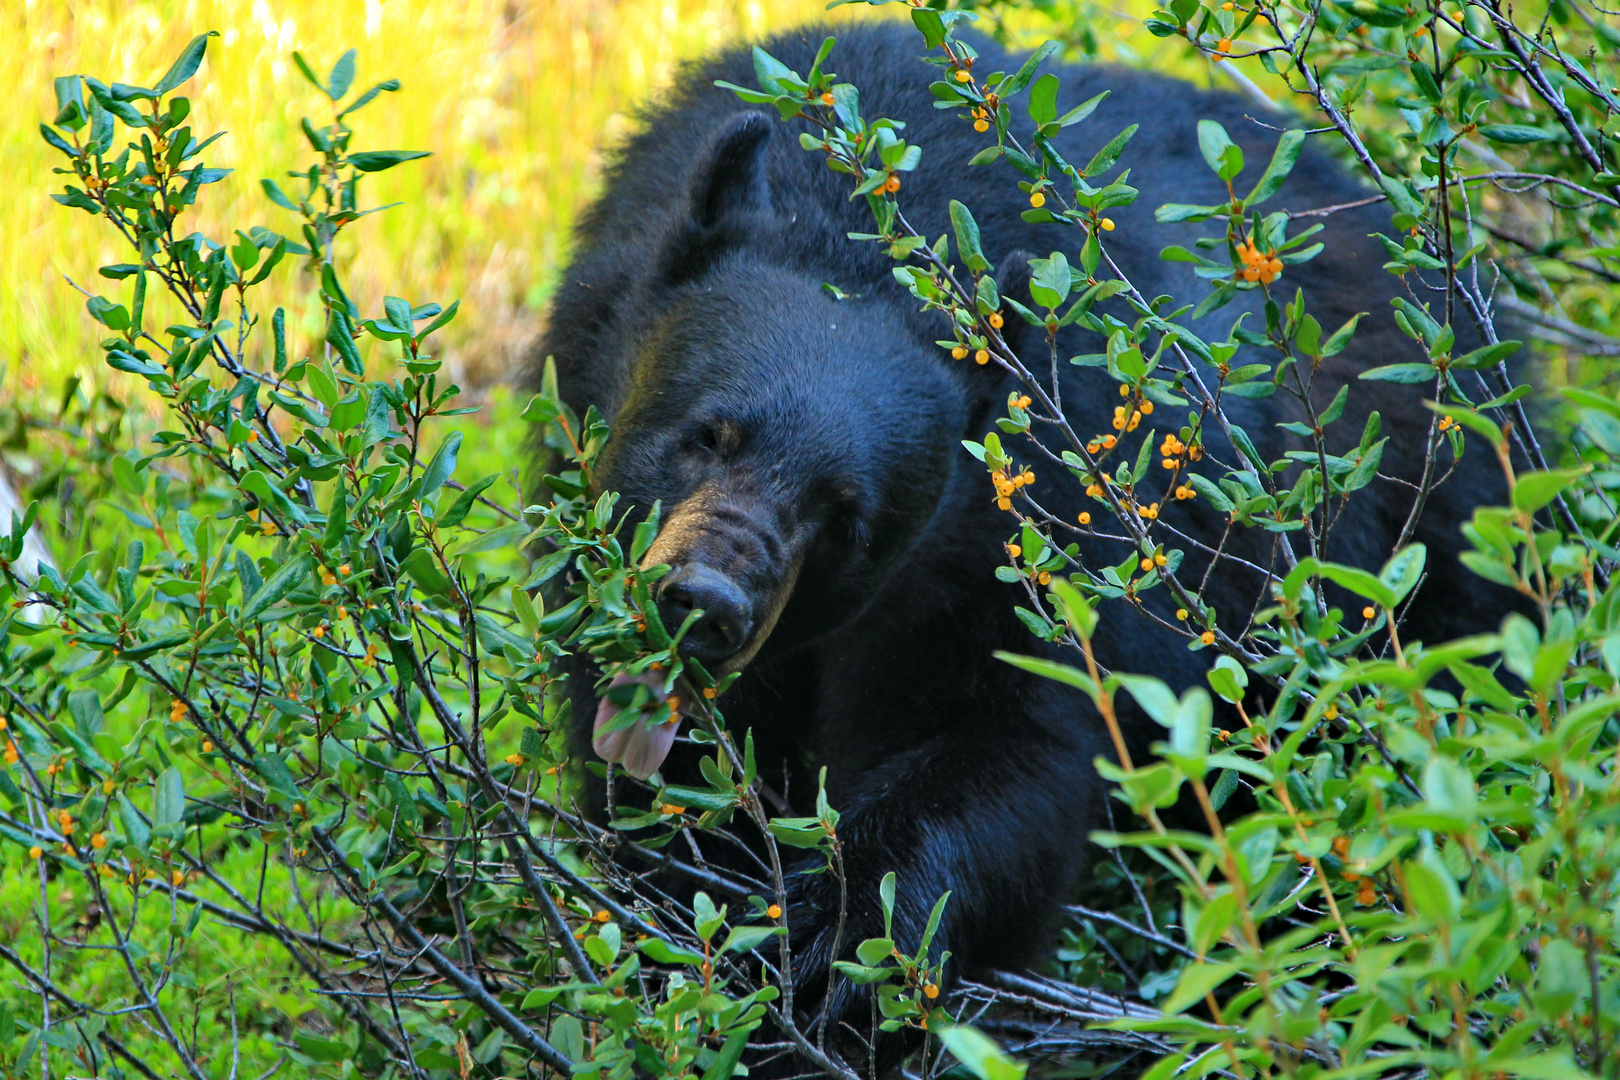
pixel 727 614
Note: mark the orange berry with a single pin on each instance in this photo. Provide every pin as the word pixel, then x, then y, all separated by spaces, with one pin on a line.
pixel 668 809
pixel 1003 503
pixel 1207 637
pixel 603 916
pixel 1368 612
pixel 982 357
pixel 774 911
pixel 1085 518
pixel 996 321
pixel 981 125
pixel 98 841
pixel 1044 578
pixel 1147 564
pixel 1014 550
pixel 960 352
pixel 709 692
pixel 930 991
pixel 826 99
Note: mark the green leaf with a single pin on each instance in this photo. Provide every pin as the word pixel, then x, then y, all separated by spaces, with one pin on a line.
pixel 1403 570
pixel 275 772
pixel 464 502
pixel 169 798
pixel 442 465
pixel 1411 374
pixel 283 581
pixel 664 952
pixel 1360 582
pixel 186 66
pixel 1282 163
pixel 378 160
pixel 1104 159
pixel 744 939
pixel 1024 74
pixel 1043 99
pixel 967 237
pixel 1515 133
pixel 1196 981
pixel 1534 490
pixel 1050 669
pixel 980 1054
pixel 342 76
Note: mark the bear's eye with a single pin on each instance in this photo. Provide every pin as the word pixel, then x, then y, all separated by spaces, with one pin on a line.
pixel 847 526
pixel 707 439
pixel 720 439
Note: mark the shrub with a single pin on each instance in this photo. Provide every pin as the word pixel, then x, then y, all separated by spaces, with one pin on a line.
pixel 309 699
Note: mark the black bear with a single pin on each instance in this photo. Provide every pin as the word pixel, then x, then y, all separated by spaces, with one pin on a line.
pixel 819 508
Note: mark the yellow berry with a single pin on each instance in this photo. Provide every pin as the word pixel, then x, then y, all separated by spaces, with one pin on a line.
pixel 1147 408
pixel 1044 578
pixel 1107 224
pixel 1037 199
pixel 981 125
pixel 960 352
pixel 107 787
pixel 1368 612
pixel 963 76
pixel 98 841
pixel 36 852
pixel 982 357
pixel 1181 614
pixel 208 746
pixel 1003 503
pixel 1014 550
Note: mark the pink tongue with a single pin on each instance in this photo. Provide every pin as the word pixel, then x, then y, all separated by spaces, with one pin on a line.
pixel 641 747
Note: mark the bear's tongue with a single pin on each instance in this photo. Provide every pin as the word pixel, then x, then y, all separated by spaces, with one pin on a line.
pixel 641 747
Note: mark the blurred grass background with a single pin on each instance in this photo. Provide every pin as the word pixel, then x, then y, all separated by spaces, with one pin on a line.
pixel 515 99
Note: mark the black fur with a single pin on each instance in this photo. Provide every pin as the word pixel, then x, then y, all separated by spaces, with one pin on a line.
pixel 829 432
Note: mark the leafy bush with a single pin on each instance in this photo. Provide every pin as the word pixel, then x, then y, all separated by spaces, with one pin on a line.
pixel 311 700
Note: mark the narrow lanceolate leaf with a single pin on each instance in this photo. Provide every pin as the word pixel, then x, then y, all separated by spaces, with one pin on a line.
pixel 378 160
pixel 186 66
pixel 1282 163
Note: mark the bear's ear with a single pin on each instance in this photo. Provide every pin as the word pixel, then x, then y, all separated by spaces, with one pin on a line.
pixel 730 179
pixel 1012 281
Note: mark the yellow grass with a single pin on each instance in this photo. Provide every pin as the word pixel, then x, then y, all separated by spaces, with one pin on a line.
pixel 514 99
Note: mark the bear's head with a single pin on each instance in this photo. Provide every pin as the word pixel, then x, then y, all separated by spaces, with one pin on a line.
pixel 798 444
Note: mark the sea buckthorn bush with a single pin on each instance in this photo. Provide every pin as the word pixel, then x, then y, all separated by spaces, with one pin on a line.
pixel 301 707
